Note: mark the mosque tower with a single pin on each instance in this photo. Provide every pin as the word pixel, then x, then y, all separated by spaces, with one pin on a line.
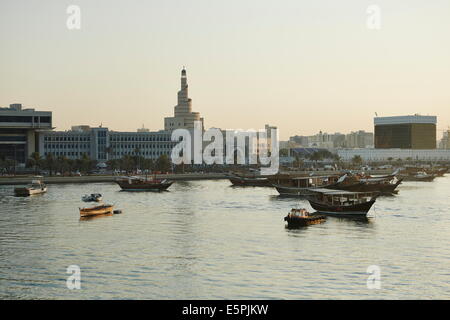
pixel 183 115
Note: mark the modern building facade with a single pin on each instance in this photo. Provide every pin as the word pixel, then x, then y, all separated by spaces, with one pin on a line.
pixel 405 132
pixel 357 139
pixel 101 144
pixel 183 116
pixel 21 131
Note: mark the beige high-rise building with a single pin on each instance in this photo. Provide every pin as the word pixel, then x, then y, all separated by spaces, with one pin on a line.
pixel 183 115
pixel 445 141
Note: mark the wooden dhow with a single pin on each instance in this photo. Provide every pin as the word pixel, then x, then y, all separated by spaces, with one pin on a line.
pixel 341 202
pixel 143 184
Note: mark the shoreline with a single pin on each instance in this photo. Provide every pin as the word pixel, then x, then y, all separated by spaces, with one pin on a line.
pixel 20 180
pixel 107 178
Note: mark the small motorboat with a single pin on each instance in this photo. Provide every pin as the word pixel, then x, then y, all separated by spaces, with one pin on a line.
pixel 301 218
pixel 36 187
pixel 104 209
pixel 93 197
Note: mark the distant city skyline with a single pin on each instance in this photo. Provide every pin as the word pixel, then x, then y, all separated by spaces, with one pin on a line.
pixel 303 67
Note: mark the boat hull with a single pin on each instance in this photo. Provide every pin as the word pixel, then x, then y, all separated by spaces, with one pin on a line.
pixel 26 192
pixel 423 179
pixel 360 209
pixel 94 211
pixel 383 188
pixel 248 182
pixel 296 192
pixel 149 186
pixel 295 222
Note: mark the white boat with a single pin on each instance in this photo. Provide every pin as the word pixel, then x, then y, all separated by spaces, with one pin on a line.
pixel 36 187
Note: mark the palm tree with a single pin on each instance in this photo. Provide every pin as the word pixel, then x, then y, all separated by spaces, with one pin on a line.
pixel 316 156
pixel 127 163
pixel 163 163
pixel 63 164
pixel 137 153
pixel 298 162
pixel 49 162
pixel 357 160
pixel 35 161
pixel 85 163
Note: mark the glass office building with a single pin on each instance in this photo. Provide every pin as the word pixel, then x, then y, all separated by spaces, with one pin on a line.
pixel 405 132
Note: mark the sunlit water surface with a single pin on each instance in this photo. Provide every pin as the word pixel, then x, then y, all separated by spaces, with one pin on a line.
pixel 207 240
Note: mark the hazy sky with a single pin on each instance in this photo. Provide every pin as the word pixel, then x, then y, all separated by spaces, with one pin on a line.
pixel 303 66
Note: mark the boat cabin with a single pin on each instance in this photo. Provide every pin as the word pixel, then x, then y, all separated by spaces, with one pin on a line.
pixel 298 213
pixel 309 181
pixel 342 197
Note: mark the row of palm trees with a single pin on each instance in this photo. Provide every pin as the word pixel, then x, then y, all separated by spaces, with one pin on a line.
pixel 84 164
pixel 356 161
pixel 131 163
pixel 60 164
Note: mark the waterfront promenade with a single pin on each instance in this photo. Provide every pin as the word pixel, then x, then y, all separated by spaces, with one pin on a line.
pixel 12 180
pixel 17 180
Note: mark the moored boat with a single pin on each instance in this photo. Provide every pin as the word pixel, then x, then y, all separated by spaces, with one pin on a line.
pixel 143 184
pixel 419 176
pixel 36 187
pixel 303 186
pixel 242 181
pixel 341 202
pixel 93 197
pixel 301 218
pixel 103 209
pixel 383 185
pixel 441 172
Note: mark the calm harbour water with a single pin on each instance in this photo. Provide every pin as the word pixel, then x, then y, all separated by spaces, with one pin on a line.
pixel 207 240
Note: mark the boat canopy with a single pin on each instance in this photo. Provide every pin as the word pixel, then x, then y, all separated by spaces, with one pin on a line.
pixel 333 192
pixel 311 177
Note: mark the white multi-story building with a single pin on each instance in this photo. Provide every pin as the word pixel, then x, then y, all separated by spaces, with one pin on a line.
pixel 102 144
pixel 445 141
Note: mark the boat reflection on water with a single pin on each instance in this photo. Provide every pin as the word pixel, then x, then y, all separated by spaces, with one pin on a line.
pixel 356 219
pixel 90 218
